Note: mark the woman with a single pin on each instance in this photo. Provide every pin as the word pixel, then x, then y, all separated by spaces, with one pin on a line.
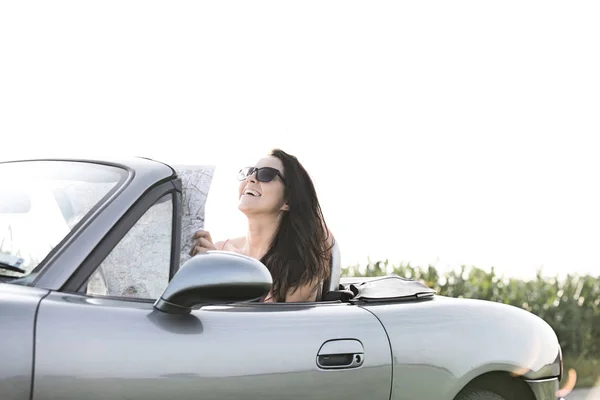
pixel 286 228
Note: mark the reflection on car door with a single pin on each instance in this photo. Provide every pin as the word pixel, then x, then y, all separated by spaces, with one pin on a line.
pixel 100 348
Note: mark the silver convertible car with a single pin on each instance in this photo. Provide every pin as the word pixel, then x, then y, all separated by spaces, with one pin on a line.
pixel 99 301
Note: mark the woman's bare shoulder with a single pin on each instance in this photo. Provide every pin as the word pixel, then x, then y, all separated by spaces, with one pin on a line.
pixel 231 244
pixel 238 241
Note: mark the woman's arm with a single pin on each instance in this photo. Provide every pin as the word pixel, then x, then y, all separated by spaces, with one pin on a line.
pixel 306 292
pixel 310 290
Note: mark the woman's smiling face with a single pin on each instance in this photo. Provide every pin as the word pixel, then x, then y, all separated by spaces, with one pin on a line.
pixel 256 197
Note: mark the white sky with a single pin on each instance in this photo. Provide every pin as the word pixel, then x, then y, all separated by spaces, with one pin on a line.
pixel 450 133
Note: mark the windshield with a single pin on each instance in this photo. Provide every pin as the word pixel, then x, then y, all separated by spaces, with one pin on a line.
pixel 41 202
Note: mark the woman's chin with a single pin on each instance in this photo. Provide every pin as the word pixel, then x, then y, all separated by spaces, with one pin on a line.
pixel 247 208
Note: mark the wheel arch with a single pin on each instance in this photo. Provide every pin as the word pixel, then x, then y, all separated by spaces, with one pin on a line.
pixel 504 383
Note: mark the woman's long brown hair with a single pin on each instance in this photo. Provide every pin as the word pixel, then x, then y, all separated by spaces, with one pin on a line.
pixel 299 253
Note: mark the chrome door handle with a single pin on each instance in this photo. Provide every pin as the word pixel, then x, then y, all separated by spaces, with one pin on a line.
pixel 341 353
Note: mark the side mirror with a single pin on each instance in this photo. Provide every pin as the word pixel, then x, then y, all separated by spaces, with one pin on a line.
pixel 216 277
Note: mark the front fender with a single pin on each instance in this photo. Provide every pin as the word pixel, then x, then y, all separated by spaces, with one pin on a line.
pixel 452 341
pixel 18 307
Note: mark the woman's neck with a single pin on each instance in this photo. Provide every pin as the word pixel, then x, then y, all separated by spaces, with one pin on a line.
pixel 261 231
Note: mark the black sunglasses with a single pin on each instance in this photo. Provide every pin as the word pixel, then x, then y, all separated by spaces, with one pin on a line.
pixel 263 174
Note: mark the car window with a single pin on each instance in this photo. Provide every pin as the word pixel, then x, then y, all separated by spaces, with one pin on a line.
pixel 40 204
pixel 139 265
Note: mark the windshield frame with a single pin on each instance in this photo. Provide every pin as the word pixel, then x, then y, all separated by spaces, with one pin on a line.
pixel 127 175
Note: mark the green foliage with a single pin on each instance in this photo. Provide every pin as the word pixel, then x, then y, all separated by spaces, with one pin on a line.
pixel 570 305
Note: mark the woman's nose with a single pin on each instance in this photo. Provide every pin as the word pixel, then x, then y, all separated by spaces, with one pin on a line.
pixel 251 177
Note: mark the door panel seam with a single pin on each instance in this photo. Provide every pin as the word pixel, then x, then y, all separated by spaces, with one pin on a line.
pixel 34 347
pixel 391 351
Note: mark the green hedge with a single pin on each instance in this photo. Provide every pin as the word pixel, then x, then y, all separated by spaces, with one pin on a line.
pixel 570 305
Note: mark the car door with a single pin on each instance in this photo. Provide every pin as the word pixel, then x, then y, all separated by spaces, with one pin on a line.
pixel 122 349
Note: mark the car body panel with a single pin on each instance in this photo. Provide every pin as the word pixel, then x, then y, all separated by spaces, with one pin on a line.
pixel 111 349
pixel 452 341
pixel 18 306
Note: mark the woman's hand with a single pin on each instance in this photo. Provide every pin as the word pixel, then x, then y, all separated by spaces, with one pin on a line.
pixel 202 243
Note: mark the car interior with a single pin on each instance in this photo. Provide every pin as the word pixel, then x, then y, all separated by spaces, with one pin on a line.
pixel 335 289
